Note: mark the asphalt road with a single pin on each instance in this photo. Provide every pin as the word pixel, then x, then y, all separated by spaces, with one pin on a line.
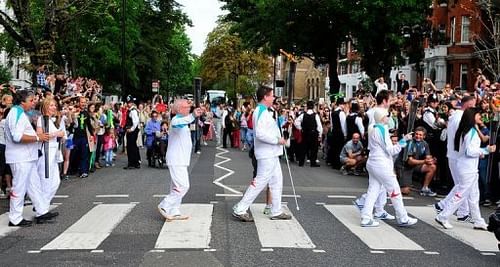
pixel 131 241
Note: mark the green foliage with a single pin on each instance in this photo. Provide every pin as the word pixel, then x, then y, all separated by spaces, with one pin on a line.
pixel 5 75
pixel 227 65
pixel 89 35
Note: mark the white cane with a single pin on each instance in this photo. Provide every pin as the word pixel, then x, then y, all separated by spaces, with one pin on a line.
pixel 291 179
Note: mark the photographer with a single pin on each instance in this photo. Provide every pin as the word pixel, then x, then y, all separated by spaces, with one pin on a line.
pixel 428 86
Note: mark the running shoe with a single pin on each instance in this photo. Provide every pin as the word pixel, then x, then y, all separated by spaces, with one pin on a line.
pixel 282 216
pixel 437 208
pixel 444 223
pixel 368 222
pixel 481 226
pixel 267 210
pixel 408 222
pixel 427 193
pixel 357 204
pixel 245 217
pixel 487 203
pixel 466 218
pixel 384 216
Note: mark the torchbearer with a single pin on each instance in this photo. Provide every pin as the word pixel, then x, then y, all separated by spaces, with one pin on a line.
pixel 178 159
pixel 22 143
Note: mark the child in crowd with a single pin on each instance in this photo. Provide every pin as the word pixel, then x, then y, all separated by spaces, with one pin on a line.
pixel 109 145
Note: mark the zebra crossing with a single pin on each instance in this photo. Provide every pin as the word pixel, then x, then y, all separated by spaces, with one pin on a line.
pixel 97 224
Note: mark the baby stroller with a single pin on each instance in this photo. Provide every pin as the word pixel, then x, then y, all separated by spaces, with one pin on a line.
pixel 156 149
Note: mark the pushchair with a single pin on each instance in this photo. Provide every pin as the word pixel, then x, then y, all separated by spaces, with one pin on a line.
pixel 156 150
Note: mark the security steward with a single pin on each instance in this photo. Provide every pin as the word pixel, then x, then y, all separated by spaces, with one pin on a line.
pixel 132 128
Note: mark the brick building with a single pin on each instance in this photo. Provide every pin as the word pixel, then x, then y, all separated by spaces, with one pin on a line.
pixel 449 52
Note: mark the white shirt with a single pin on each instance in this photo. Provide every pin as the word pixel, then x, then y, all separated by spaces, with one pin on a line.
pixel 469 152
pixel 342 118
pixel 380 86
pixel 267 134
pixel 179 141
pixel 18 124
pixel 298 121
pixel 134 115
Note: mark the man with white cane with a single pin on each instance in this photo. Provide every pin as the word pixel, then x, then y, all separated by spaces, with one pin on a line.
pixel 268 148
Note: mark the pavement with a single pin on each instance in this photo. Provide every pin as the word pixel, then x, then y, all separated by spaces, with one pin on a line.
pixel 111 218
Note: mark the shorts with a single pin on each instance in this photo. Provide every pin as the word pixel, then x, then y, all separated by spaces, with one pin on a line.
pixel 343 160
pixel 69 144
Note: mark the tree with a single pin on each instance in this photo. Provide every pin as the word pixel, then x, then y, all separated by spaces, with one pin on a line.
pixel 304 28
pixel 226 64
pixel 487 43
pixel 37 25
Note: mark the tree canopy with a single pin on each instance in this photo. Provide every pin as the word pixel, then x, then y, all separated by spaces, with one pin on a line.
pixel 89 35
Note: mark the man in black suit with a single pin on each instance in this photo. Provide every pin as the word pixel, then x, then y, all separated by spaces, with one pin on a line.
pixel 402 83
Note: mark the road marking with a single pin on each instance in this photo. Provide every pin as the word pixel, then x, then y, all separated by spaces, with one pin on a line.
pixel 28 214
pixel 480 240
pixel 266 250
pixel 405 198
pixel 431 252
pixel 97 251
pixel 34 251
pixel 488 254
pixel 92 229
pixel 290 196
pixel 383 237
pixel 377 252
pixel 342 196
pixel 210 250
pixel 157 251
pixel 191 233
pixel 279 233
pixel 229 171
pixel 320 203
pixel 319 251
pixel 111 196
pixel 214 202
pixel 228 195
pixel 61 196
pixel 160 196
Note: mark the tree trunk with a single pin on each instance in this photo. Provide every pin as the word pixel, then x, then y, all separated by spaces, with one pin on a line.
pixel 334 78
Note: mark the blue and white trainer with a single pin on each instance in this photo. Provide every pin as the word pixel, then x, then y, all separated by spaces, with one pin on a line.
pixel 408 222
pixel 368 222
pixel 358 205
pixel 384 216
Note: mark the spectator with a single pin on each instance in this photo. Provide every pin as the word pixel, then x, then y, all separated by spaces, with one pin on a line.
pixel 421 161
pixel 352 157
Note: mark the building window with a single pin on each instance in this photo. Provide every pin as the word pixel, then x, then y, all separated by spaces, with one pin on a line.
pixel 343 49
pixel 343 69
pixel 343 88
pixel 463 76
pixel 465 29
pixel 452 30
pixel 355 67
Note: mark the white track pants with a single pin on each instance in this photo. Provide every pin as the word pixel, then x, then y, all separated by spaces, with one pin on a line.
pixel 466 191
pixel 463 209
pixel 381 177
pixel 268 172
pixel 25 179
pixel 51 184
pixel 218 130
pixel 179 185
pixel 379 203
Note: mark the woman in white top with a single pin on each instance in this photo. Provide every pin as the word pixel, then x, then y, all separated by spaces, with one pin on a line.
pixel 467 143
pixel 56 130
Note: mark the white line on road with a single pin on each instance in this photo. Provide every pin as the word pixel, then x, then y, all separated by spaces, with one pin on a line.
pixel 214 202
pixel 319 251
pixel 91 229
pixel 97 251
pixel 320 203
pixel 160 195
pixel 28 214
pixel 342 196
pixel 34 251
pixel 229 171
pixel 279 233
pixel 431 252
pixel 191 233
pixel 111 196
pixel 157 251
pixel 383 237
pixel 266 250
pixel 377 252
pixel 228 195
pixel 210 250
pixel 61 196
pixel 464 232
pixel 488 254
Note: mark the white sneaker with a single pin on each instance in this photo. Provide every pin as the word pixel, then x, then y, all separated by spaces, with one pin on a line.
pixel 409 222
pixel 481 226
pixel 384 216
pixel 205 143
pixel 444 223
pixel 368 222
pixel 308 161
pixel 198 152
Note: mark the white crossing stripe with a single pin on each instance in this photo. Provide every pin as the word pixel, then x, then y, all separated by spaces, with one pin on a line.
pixel 464 232
pixel 93 228
pixel 191 233
pixel 112 196
pixel 279 233
pixel 28 214
pixel 382 237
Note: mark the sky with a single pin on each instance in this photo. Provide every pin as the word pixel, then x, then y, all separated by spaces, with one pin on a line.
pixel 203 14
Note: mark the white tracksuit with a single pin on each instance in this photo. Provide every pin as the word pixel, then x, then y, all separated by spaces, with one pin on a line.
pixel 381 173
pixel 467 189
pixel 22 158
pixel 452 155
pixel 51 184
pixel 267 152
pixel 178 159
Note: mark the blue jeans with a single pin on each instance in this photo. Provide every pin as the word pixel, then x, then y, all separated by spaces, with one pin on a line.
pixel 109 156
pixel 243 136
pixel 80 154
pixel 484 190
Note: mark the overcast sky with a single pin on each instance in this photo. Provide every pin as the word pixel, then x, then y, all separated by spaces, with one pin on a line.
pixel 203 14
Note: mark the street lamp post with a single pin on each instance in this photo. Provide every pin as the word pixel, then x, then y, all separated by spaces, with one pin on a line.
pixel 124 6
